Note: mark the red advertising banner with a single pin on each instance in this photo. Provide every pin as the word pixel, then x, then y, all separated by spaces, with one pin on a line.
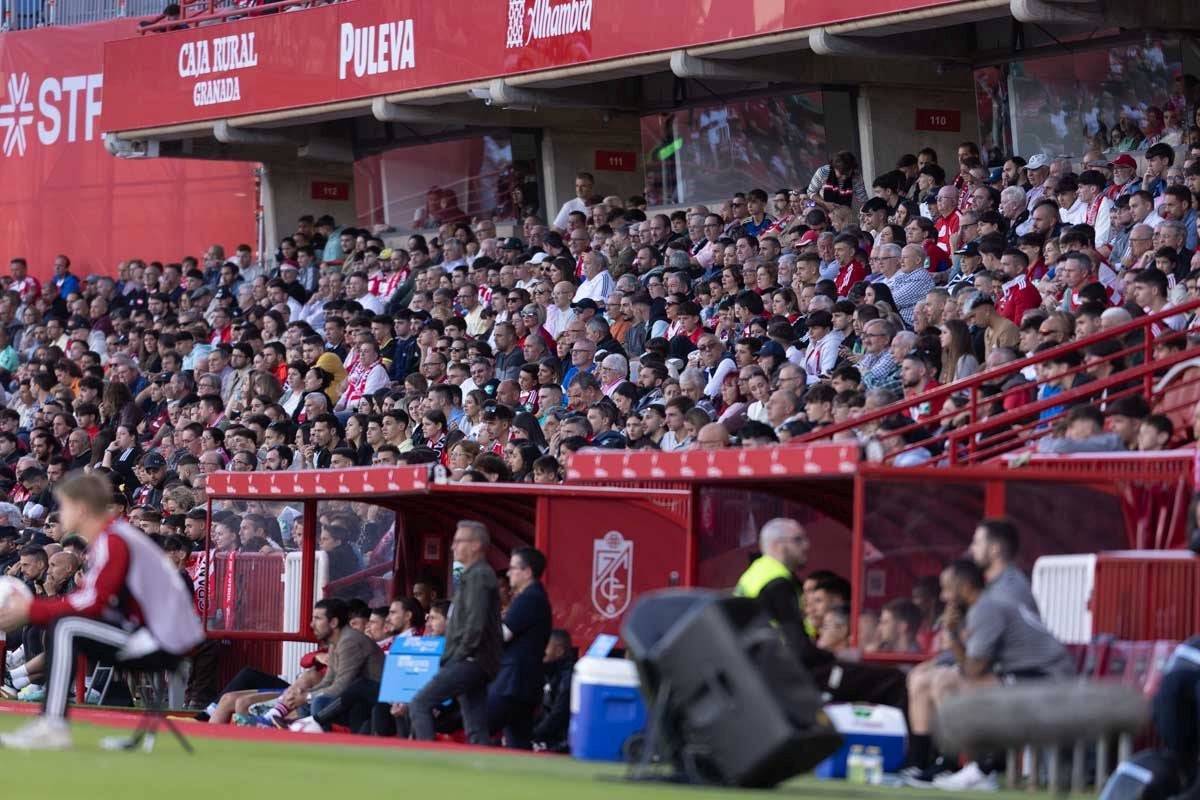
pixel 63 193
pixel 346 51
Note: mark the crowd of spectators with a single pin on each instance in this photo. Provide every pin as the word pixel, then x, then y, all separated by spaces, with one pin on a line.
pixel 753 322
pixel 762 318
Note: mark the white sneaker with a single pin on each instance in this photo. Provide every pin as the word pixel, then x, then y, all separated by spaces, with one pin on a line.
pixel 306 725
pixel 968 779
pixel 43 733
pixel 14 659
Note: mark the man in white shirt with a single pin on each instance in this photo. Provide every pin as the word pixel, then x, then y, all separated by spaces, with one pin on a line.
pixel 453 255
pixel 598 282
pixel 1071 206
pixel 1142 205
pixel 356 290
pixel 277 295
pixel 468 298
pixel 559 313
pixel 584 186
pixel 1097 208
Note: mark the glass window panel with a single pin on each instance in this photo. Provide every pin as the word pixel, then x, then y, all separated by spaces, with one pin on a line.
pixel 1112 100
pixel 420 188
pixel 697 154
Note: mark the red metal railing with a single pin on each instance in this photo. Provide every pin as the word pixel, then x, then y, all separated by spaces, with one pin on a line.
pixel 1144 595
pixel 194 13
pixel 987 420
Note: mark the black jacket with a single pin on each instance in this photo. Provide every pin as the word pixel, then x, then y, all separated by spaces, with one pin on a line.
pixel 529 619
pixel 555 713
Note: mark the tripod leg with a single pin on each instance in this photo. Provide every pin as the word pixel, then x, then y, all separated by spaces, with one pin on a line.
pixel 656 721
pixel 174 729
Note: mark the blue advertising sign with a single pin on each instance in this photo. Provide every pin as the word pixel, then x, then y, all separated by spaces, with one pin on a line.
pixel 411 663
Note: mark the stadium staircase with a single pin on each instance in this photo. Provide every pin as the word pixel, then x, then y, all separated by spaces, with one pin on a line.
pixel 1003 415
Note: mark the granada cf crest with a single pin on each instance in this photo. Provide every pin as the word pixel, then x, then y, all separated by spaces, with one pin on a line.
pixel 612 574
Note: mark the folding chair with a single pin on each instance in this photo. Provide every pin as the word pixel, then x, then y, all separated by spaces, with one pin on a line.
pixel 153 687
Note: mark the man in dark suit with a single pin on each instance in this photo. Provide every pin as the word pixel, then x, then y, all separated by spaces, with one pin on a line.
pixel 473 642
pixel 514 695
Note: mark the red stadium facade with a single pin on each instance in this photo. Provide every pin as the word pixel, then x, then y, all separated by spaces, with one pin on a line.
pixel 62 193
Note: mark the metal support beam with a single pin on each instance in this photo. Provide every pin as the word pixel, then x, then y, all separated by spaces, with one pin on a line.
pixel 824 43
pixel 385 111
pixel 1055 13
pixel 227 134
pixel 685 65
pixel 327 150
pixel 501 93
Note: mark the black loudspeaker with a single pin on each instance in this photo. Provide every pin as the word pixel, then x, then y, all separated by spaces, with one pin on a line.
pixel 727 701
pixel 1148 775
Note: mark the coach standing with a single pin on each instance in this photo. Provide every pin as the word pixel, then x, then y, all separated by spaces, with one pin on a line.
pixel 517 690
pixel 473 642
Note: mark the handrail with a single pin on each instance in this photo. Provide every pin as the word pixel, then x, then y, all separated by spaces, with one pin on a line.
pixel 1122 384
pixel 967 445
pixel 223 10
pixel 973 384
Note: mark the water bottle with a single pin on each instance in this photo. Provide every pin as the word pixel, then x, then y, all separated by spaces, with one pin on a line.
pixel 855 765
pixel 873 766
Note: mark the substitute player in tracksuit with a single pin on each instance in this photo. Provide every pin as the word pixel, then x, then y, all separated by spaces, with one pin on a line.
pixel 131 608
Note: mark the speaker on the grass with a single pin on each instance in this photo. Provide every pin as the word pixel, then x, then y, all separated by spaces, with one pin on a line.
pixel 728 702
pixel 1148 775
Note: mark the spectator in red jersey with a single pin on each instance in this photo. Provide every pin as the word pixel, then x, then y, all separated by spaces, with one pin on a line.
pixel 851 270
pixel 1017 294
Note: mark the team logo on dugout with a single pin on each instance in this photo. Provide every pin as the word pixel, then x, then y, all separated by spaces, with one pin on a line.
pixel 612 574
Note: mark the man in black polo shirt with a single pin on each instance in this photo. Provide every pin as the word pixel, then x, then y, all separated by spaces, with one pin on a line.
pixel 515 693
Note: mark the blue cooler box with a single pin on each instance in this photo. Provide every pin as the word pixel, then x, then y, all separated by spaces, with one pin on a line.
pixel 606 708
pixel 867 725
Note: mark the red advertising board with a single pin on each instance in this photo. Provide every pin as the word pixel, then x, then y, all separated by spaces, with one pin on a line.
pixel 63 193
pixel 602 561
pixel 946 120
pixel 347 51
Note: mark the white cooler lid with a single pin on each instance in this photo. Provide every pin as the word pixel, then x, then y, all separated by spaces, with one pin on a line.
pixel 606 672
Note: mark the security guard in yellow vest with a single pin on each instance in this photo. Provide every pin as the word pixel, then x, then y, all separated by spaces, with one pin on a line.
pixel 771 579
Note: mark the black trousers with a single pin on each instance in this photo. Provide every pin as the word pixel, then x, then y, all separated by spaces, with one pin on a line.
pixel 251 679
pixel 1177 716
pixel 203 687
pixel 32 637
pixel 352 708
pixel 863 683
pixel 463 681
pixel 70 637
pixel 513 716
